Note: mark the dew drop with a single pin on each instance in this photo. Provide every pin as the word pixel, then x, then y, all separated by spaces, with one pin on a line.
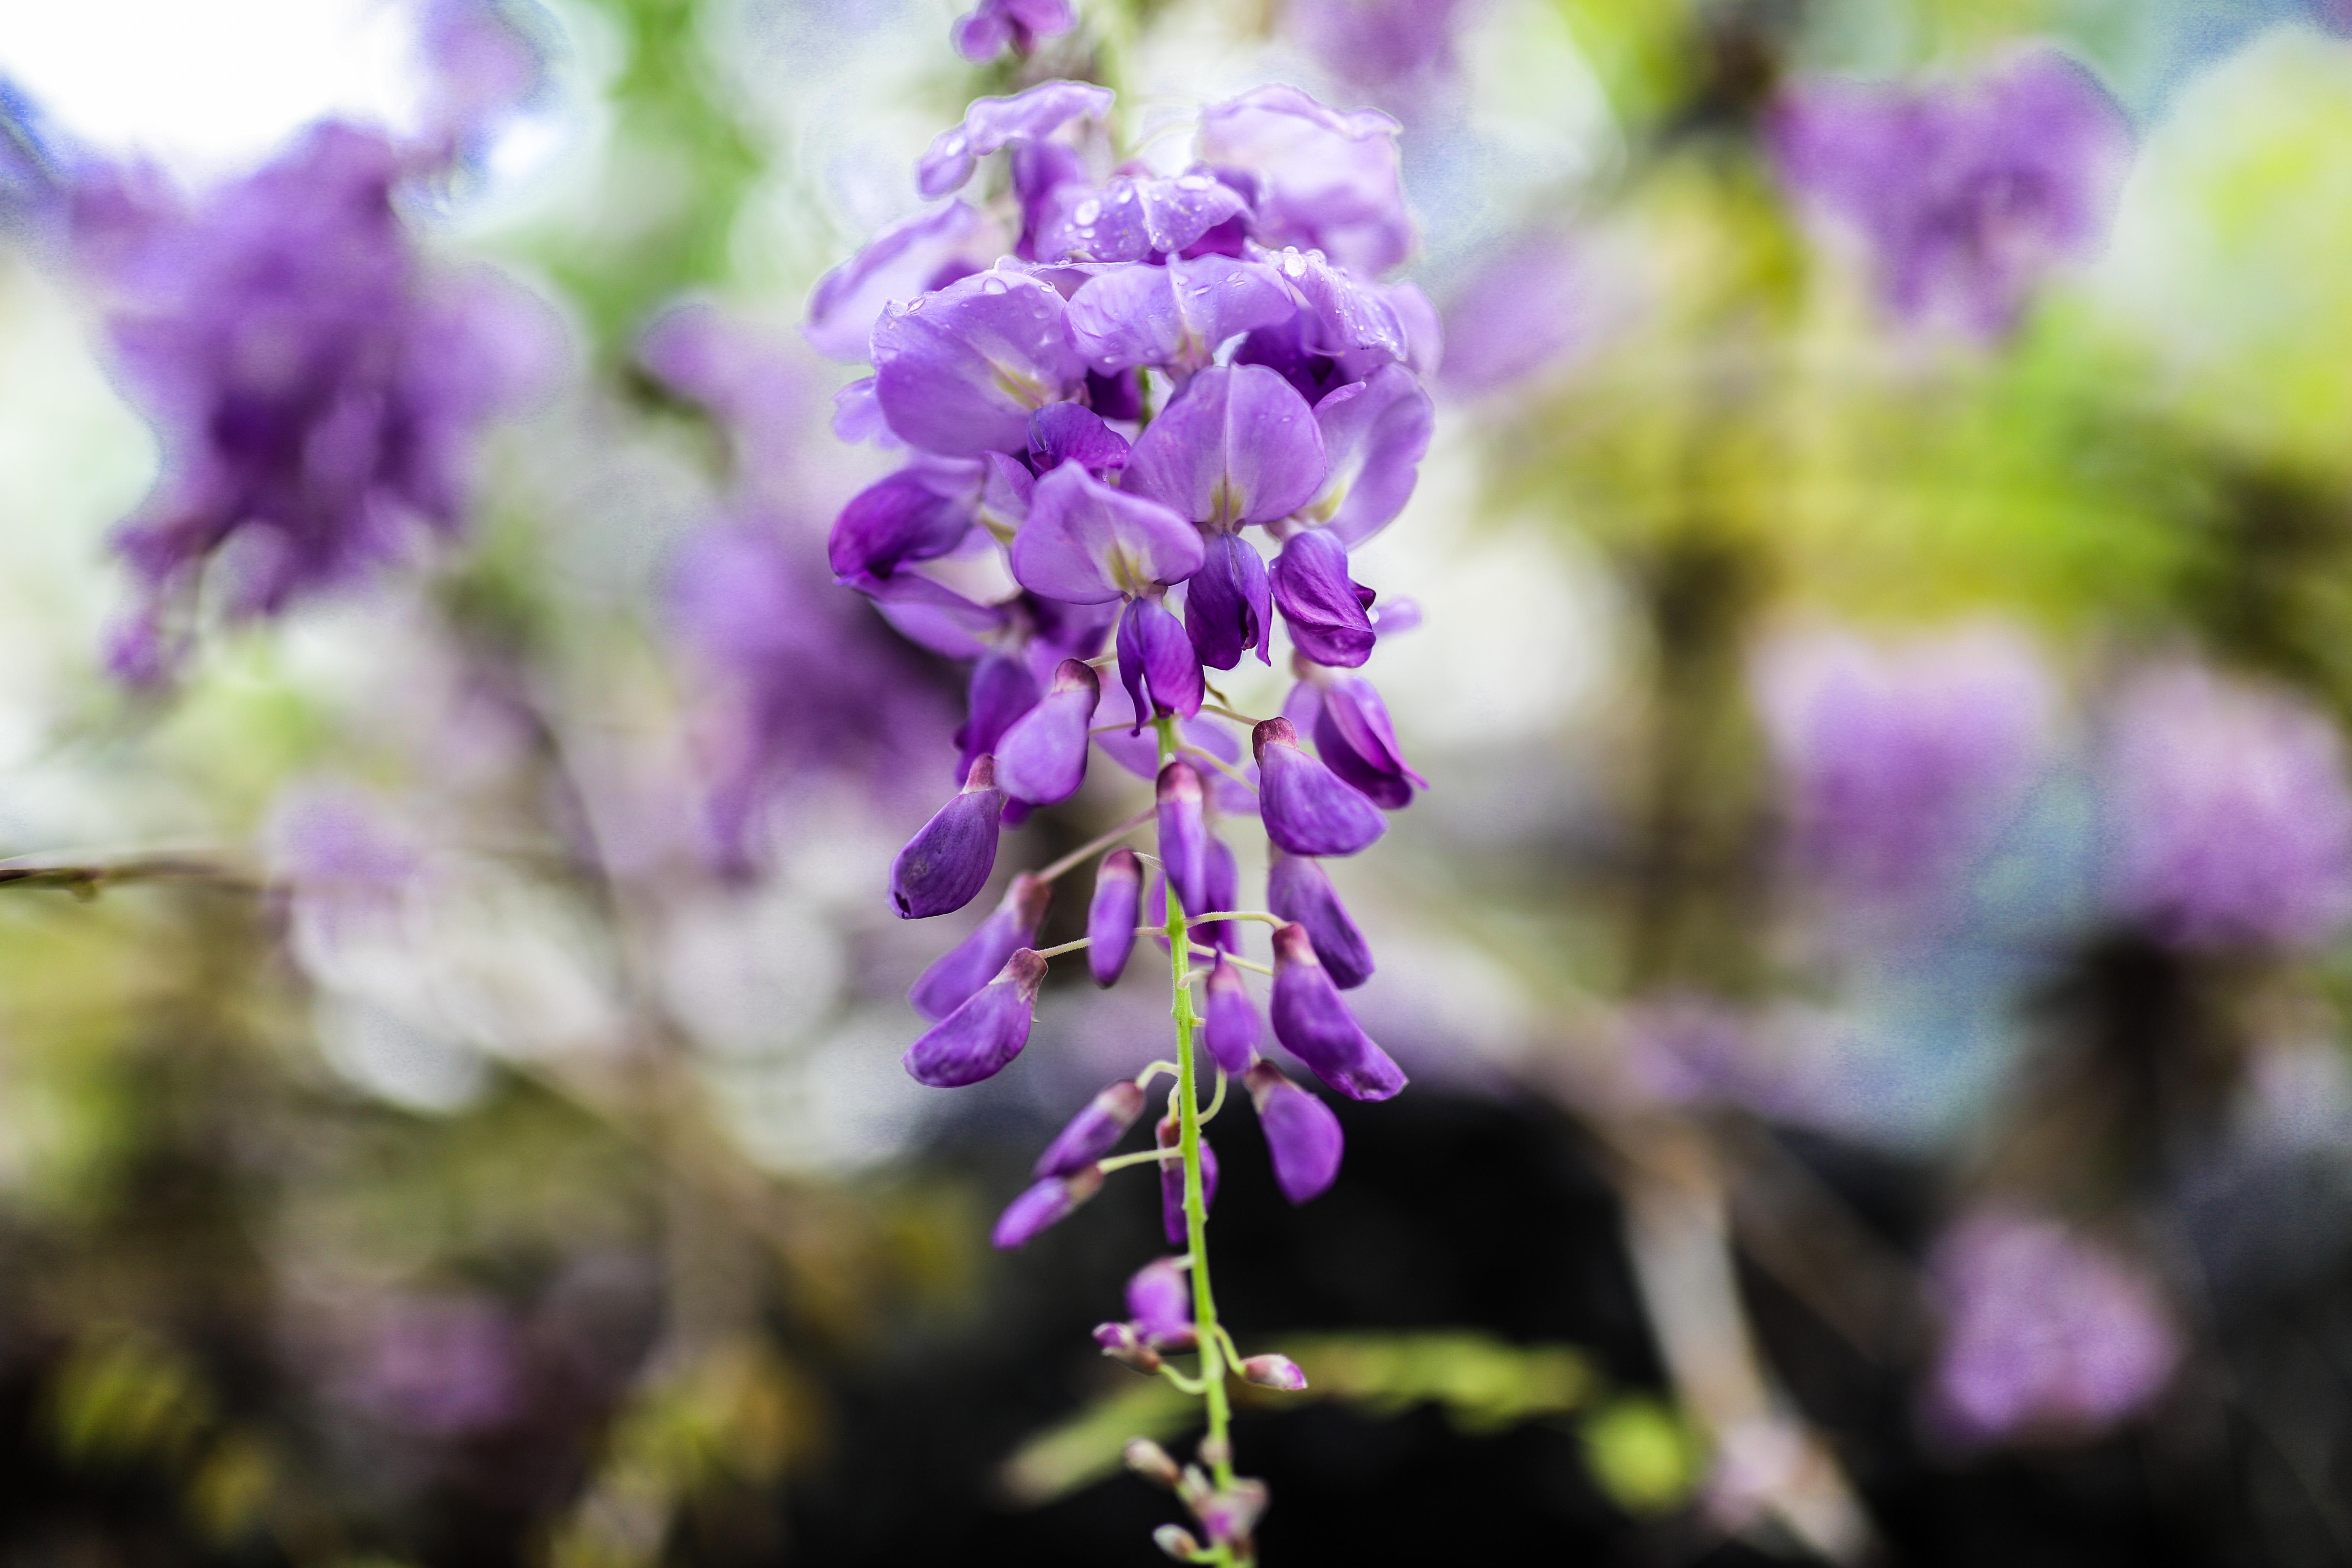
pixel 1126 195
pixel 955 145
pixel 1194 183
pixel 994 286
pixel 1088 210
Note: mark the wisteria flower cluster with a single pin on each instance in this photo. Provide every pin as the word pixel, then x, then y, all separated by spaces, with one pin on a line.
pixel 1106 428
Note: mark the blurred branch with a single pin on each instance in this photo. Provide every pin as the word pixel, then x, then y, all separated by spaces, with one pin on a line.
pixel 88 878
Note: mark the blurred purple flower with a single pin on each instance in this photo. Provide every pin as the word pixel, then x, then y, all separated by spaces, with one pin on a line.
pixel 2044 1333
pixel 1968 191
pixel 2229 816
pixel 1396 51
pixel 985 32
pixel 1326 181
pixel 1522 309
pixel 439 1366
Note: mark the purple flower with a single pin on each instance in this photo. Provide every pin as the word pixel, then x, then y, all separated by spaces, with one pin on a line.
pixel 1065 433
pixel 1048 1203
pixel 1160 1304
pixel 1086 543
pixel 2229 817
pixel 898 266
pixel 976 1040
pixel 947 860
pixel 317 392
pixel 1328 182
pixel 1967 193
pixel 1221 883
pixel 1000 693
pixel 960 370
pixel 1396 50
pixel 1157 664
pixel 985 31
pixel 1133 217
pixel 1093 1132
pixel 1314 1025
pixel 1239 446
pixel 1309 809
pixel 972 962
pixel 1166 1135
pixel 1297 891
pixel 1174 316
pixel 445 1367
pixel 1228 604
pixel 1183 835
pixel 1113 915
pixel 2043 1331
pixel 1233 1027
pixel 1353 736
pixel 920 513
pixel 1302 1136
pixel 1042 759
pixel 1522 311
pixel 992 123
pixel 1374 435
pixel 1322 605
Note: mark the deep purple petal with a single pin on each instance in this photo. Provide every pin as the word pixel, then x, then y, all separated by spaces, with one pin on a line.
pixel 1320 604
pixel 1221 885
pixel 976 1040
pixel 1298 890
pixel 1353 736
pixel 991 123
pixel 1157 662
pixel 901 264
pixel 947 860
pixel 1374 434
pixel 1160 1303
pixel 1173 316
pixel 1184 835
pixel 1093 1132
pixel 1086 543
pixel 1307 809
pixel 1171 1181
pixel 956 974
pixel 1233 1027
pixel 1228 604
pixel 1000 690
pixel 1240 445
pixel 933 615
pixel 1133 217
pixel 1314 1025
pixel 915 514
pixel 1042 758
pixel 1046 1204
pixel 1065 433
pixel 1301 1135
pixel 960 370
pixel 1113 914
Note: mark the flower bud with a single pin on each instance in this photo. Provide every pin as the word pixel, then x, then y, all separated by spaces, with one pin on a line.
pixel 1177 1541
pixel 949 858
pixel 1183 835
pixel 1274 1372
pixel 1093 1132
pixel 1048 1202
pixel 1302 1136
pixel 1168 1135
pixel 1214 1452
pixel 1042 758
pixel 1233 1028
pixel 1232 1512
pixel 1157 662
pixel 1228 603
pixel 1355 740
pixel 1309 809
pixel 1114 914
pixel 1297 891
pixel 1221 889
pixel 972 962
pixel 1149 1460
pixel 1160 1304
pixel 1314 1025
pixel 1124 1345
pixel 978 1037
pixel 1325 609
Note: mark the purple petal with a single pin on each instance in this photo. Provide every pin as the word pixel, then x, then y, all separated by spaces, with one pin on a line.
pixel 918 513
pixel 1342 317
pixel 1272 1372
pixel 1327 182
pixel 1117 395
pixel 1314 1025
pixel 1221 887
pixel 960 370
pixel 1307 809
pixel 901 264
pixel 1228 604
pixel 1002 689
pixel 1134 217
pixel 858 415
pixel 1374 434
pixel 1184 835
pixel 1173 316
pixel 1322 605
pixel 1353 736
pixel 1086 543
pixel 1042 758
pixel 1160 1303
pixel 956 974
pixel 1171 1181
pixel 1233 1028
pixel 1297 891
pixel 1239 446
pixel 992 123
pixel 1157 662
pixel 1093 1132
pixel 1520 311
pixel 976 1040
pixel 1065 433
pixel 1301 1135
pixel 1046 1204
pixel 1113 915
pixel 933 615
pixel 947 862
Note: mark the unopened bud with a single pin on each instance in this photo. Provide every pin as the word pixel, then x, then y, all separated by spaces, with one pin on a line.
pixel 1124 1345
pixel 1274 1372
pixel 1234 1511
pixel 1194 1488
pixel 1215 1452
pixel 1152 1462
pixel 1177 1541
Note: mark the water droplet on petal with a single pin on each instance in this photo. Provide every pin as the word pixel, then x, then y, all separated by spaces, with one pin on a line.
pixel 1195 182
pixel 994 286
pixel 1126 195
pixel 1088 210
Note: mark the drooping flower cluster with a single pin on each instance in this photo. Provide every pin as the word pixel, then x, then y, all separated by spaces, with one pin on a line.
pixel 316 388
pixel 1967 193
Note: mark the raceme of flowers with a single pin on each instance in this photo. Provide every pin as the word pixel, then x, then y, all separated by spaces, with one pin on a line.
pixel 1145 418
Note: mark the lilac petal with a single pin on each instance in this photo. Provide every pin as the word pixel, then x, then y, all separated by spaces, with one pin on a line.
pixel 1353 736
pixel 915 514
pixel 1173 316
pixel 1046 1204
pixel 858 415
pixel 902 263
pixel 1002 689
pixel 1322 605
pixel 1134 217
pixel 1314 1025
pixel 1342 317
pixel 1228 604
pixel 1221 887
pixel 1042 759
pixel 1065 433
pixel 1184 835
pixel 982 35
pixel 1328 182
pixel 1424 329
pixel 1233 1028
pixel 960 370
pixel 1041 170
pixel 1113 915
pixel 1157 662
pixel 1374 434
pixel 1171 1181
pixel 1007 489
pixel 976 1040
pixel 1309 809
pixel 1086 543
pixel 1301 1135
pixel 956 974
pixel 1297 891
pixel 991 123
pixel 1160 1303
pixel 933 615
pixel 1093 1132
pixel 947 860
pixel 1239 446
